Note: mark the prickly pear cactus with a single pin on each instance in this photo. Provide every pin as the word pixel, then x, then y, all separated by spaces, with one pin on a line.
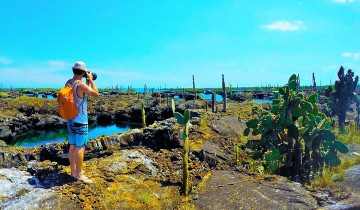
pixel 184 134
pixel 295 136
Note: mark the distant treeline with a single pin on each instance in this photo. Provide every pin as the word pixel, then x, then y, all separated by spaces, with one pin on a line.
pixel 198 90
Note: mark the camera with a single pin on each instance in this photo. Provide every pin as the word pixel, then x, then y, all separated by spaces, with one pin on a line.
pixel 94 75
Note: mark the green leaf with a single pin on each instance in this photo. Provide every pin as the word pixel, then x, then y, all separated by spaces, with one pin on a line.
pixel 307 106
pixel 313 98
pixel 321 124
pixel 293 131
pixel 187 115
pixel 275 109
pixel 311 117
pixel 328 125
pixel 341 147
pixel 180 118
pixel 266 121
pixel 288 121
pixel 300 95
pixel 255 132
pixel 326 135
pixel 282 148
pixel 276 101
pixel 273 155
pixel 253 123
pixel 322 115
pixel 182 135
pixel 293 77
pixel 299 121
pixel 282 91
pixel 316 142
pixel 298 112
pixel 272 166
pixel 328 144
pixel 272 158
pixel 315 110
pixel 246 131
pixel 260 169
pixel 333 160
pixel 292 85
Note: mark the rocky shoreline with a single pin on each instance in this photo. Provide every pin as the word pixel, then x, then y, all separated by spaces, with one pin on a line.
pixel 103 110
pixel 141 169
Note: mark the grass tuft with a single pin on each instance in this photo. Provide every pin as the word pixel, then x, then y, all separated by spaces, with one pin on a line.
pixel 323 179
pixel 350 136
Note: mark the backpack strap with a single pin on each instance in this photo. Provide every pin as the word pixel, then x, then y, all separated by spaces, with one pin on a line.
pixel 75 83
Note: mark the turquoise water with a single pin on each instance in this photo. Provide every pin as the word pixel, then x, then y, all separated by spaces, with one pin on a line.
pixel 177 98
pixel 34 138
pixel 40 96
pixel 48 96
pixel 208 96
pixel 262 101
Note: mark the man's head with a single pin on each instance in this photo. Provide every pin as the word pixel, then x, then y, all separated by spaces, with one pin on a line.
pixel 79 68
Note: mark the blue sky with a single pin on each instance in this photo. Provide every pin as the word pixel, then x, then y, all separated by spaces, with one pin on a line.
pixel 131 42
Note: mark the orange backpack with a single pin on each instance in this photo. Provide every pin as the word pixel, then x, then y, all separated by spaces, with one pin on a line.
pixel 66 101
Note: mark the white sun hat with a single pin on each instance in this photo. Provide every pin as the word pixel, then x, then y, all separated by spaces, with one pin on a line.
pixel 79 65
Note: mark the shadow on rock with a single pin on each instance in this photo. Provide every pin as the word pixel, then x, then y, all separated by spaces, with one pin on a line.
pixel 47 175
pixel 51 180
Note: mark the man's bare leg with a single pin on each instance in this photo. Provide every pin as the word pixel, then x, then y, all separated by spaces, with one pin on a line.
pixel 72 160
pixel 79 157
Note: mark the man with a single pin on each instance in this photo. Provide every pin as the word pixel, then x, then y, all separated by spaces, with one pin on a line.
pixel 78 126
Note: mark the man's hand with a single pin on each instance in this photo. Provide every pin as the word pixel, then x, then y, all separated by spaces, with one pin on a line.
pixel 91 91
pixel 89 75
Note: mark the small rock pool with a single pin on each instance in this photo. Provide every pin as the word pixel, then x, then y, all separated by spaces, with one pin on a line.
pixel 34 138
pixel 262 101
pixel 218 97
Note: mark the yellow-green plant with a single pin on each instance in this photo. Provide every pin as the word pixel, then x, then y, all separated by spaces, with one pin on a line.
pixel 3 95
pixel 184 120
pixel 143 114
pixel 237 155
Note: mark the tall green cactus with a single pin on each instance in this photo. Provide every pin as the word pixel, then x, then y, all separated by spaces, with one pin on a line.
pixel 184 120
pixel 295 136
pixel 143 114
pixel 342 96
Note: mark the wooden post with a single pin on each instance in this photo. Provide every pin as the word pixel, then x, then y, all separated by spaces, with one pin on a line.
pixel 128 92
pixel 213 100
pixel 194 92
pixel 145 87
pixel 167 99
pixel 206 105
pixel 314 81
pixel 224 93
pixel 298 83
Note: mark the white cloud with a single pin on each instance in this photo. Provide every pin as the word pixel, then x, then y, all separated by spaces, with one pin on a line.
pixel 343 1
pixel 38 74
pixel 5 61
pixel 57 65
pixel 284 25
pixel 354 56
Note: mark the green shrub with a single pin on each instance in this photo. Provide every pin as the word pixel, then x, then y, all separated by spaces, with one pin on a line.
pixel 295 136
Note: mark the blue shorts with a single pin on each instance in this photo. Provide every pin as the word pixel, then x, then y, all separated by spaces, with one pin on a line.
pixel 78 133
